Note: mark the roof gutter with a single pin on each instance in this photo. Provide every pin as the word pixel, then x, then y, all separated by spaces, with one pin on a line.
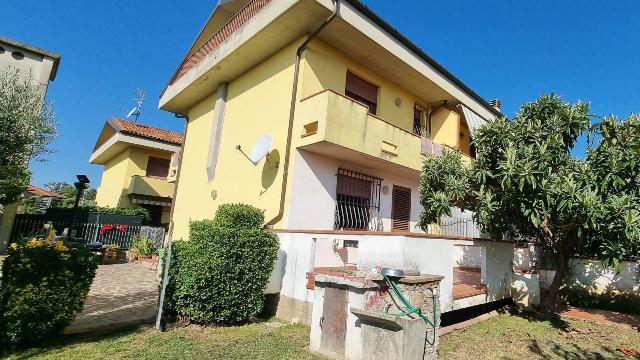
pixel 292 111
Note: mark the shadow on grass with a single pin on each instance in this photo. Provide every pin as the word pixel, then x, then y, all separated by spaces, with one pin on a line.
pixel 72 339
pixel 573 351
pixel 533 317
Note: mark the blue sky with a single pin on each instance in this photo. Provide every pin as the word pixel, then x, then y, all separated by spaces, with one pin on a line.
pixel 512 50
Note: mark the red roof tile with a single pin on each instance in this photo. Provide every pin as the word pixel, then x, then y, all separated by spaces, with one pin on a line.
pixel 148 131
pixel 37 191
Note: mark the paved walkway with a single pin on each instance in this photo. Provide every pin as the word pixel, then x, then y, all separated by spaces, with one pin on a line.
pixel 121 295
pixel 602 316
pixel 467 282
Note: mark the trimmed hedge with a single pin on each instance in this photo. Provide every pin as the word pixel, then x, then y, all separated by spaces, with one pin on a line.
pixel 219 275
pixel 44 285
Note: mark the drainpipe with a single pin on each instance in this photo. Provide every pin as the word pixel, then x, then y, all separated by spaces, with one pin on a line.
pixel 292 111
pixel 175 188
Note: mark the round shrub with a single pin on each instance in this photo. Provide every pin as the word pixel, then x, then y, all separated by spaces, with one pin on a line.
pixel 219 274
pixel 238 216
pixel 44 285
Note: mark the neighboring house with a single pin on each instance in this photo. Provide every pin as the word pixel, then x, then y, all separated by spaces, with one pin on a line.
pixel 39 199
pixel 137 167
pixel 41 66
pixel 340 183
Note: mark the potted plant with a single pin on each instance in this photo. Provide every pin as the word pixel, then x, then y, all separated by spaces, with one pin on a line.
pixel 110 254
pixel 142 249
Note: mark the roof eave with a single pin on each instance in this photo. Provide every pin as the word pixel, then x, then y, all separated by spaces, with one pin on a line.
pixel 413 47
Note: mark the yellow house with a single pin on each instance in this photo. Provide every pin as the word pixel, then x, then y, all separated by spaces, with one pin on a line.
pixel 137 167
pixel 355 99
pixel 321 114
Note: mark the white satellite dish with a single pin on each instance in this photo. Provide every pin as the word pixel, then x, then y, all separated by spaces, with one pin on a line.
pixel 260 149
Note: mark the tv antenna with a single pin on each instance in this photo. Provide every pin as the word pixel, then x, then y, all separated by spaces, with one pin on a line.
pixel 260 150
pixel 137 110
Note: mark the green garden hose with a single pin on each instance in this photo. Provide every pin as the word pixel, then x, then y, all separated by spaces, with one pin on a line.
pixel 410 308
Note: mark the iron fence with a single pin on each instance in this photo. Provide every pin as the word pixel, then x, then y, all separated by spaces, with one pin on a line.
pixel 120 234
pixel 457 226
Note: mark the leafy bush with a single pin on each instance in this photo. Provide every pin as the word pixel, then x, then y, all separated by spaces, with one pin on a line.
pixel 219 274
pixel 238 216
pixel 142 246
pixel 44 286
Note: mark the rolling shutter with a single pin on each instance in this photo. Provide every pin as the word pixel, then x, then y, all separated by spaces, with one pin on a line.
pixel 362 91
pixel 400 208
pixel 158 168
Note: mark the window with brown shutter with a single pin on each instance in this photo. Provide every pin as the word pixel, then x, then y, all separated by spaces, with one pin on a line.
pixel 362 91
pixel 157 167
pixel 400 208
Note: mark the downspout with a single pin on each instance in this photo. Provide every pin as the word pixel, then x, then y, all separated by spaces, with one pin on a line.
pixel 175 188
pixel 292 111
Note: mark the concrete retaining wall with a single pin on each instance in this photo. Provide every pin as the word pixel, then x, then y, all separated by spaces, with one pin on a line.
pixel 592 276
pixel 299 255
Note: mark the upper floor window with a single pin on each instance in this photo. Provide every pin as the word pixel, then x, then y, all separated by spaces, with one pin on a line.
pixel 362 91
pixel 421 124
pixel 157 167
pixel 1 50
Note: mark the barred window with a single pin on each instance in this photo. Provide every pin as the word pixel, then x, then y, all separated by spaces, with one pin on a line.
pixel 357 201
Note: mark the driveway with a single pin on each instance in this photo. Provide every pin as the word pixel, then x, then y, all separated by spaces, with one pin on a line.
pixel 121 295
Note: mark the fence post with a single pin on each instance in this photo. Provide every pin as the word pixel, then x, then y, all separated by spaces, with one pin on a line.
pixel 165 281
pixel 95 235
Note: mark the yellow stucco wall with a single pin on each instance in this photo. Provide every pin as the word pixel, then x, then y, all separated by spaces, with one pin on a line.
pixel 257 103
pixel 326 68
pixel 111 190
pixel 117 174
pixel 445 127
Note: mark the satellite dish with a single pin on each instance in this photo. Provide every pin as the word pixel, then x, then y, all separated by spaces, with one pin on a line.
pixel 261 148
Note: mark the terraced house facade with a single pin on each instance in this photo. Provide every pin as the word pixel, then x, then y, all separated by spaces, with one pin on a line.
pixel 352 108
pixel 138 171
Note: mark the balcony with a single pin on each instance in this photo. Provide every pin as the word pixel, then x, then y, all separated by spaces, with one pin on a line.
pixel 332 123
pixel 148 186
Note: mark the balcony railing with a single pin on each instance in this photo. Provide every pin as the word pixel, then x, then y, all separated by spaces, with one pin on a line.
pixel 457 226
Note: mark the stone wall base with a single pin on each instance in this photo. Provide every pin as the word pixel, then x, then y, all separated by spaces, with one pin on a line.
pixel 289 309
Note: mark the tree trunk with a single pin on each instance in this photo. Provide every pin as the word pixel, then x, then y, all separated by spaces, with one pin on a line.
pixel 562 267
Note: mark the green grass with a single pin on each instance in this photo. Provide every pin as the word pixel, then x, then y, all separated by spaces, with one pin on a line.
pixel 529 337
pixel 253 341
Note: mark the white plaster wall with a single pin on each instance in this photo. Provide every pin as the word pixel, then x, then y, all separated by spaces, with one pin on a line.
pixel 522 259
pixel 331 252
pixel 525 289
pixel 313 192
pixel 295 260
pixel 468 256
pixel 497 269
pixel 427 255
pixel 591 275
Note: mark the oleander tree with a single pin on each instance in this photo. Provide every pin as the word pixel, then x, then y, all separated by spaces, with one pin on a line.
pixel 526 184
pixel 27 128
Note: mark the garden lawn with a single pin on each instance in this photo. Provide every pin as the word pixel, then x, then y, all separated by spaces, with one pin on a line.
pixel 254 341
pixel 531 337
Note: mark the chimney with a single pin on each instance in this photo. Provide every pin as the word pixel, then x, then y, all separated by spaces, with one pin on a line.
pixel 496 103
